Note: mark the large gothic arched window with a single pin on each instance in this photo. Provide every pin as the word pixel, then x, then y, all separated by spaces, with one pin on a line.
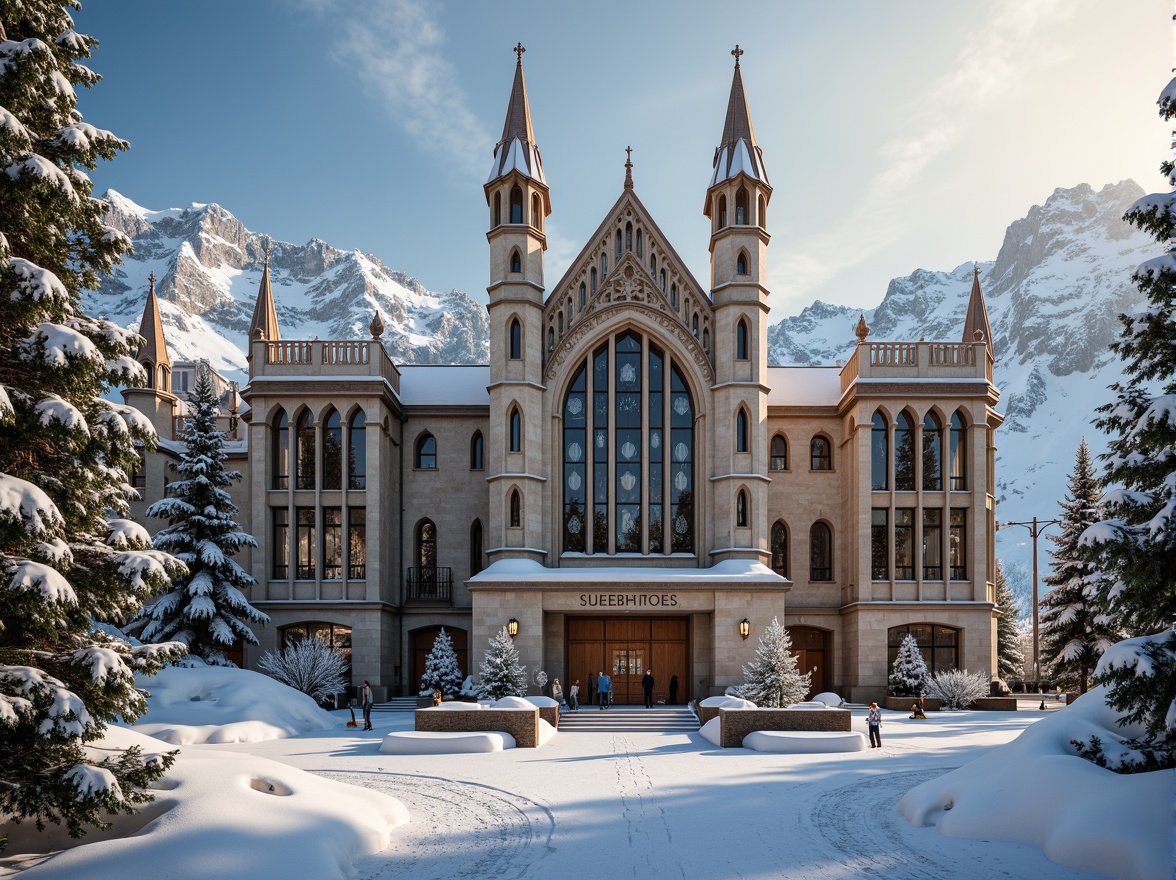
pixel 628 471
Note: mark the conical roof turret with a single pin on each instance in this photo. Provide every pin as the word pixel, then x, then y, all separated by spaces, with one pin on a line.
pixel 516 151
pixel 738 150
pixel 265 316
pixel 976 318
pixel 154 349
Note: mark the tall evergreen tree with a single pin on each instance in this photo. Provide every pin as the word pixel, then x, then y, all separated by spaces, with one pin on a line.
pixel 66 557
pixel 502 674
pixel 206 609
pixel 1135 544
pixel 908 677
pixel 441 670
pixel 1010 659
pixel 773 679
pixel 1075 630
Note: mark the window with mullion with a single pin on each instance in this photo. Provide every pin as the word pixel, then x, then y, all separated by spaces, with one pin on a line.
pixel 575 445
pixel 357 543
pixel 627 433
pixel 306 543
pixel 958 544
pixel 932 544
pixel 880 544
pixel 281 543
pixel 332 543
pixel 904 544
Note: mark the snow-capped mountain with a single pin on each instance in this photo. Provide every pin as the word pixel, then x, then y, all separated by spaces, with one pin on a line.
pixel 1062 276
pixel 208 268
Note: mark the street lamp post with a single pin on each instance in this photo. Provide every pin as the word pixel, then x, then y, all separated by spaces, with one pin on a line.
pixel 1035 527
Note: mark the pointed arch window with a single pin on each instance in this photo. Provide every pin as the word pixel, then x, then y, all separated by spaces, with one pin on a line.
pixel 779 459
pixel 780 548
pixel 516 204
pixel 694 324
pixel 305 457
pixel 357 452
pixel 498 209
pixel 820 552
pixel 640 243
pixel 741 340
pixel 332 451
pixel 559 323
pixel 958 453
pixel 662 280
pixel 617 256
pixel 932 459
pixel 628 237
pixel 741 207
pixel 603 265
pixel 149 369
pixel 820 454
pixel 674 295
pixel 536 211
pixel 476 552
pixel 516 340
pixel 515 440
pixel 904 453
pixel 879 452
pixel 741 263
pixel 722 213
pixel 742 510
pixel 280 465
pixel 592 279
pixel 426 453
pixel 516 262
pixel 653 265
pixel 706 338
pixel 477 452
pixel 742 440
pixel 550 339
pixel 583 296
pixel 426 556
pixel 762 218
pixel 516 509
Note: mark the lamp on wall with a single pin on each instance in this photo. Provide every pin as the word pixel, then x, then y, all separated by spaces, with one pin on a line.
pixel 745 628
pixel 512 627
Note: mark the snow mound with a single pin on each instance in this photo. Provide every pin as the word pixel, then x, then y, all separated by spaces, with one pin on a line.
pixel 804 742
pixel 809 704
pixel 426 742
pixel 1035 790
pixel 219 704
pixel 541 702
pixel 727 702
pixel 712 731
pixel 546 732
pixel 830 699
pixel 210 812
pixel 512 703
pixel 457 706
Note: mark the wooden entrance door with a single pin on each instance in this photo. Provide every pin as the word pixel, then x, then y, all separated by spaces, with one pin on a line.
pixel 625 648
pixel 808 646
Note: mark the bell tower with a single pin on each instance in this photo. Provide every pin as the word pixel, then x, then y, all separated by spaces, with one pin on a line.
pixel 736 203
pixel 519 203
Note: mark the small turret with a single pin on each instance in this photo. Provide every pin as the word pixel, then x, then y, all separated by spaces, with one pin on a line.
pixel 153 354
pixel 976 319
pixel 265 316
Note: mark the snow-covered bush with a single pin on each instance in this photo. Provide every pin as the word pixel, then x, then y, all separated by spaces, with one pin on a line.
pixel 958 688
pixel 309 665
pixel 502 674
pixel 441 669
pixel 773 680
pixel 908 678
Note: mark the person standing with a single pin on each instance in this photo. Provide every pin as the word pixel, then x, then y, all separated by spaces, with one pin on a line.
pixel 601 689
pixel 874 725
pixel 673 690
pixel 647 686
pixel 574 696
pixel 557 692
pixel 366 701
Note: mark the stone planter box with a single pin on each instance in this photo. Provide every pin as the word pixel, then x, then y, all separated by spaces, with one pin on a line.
pixel 903 704
pixel 995 704
pixel 550 714
pixel 522 724
pixel 738 723
pixel 706 713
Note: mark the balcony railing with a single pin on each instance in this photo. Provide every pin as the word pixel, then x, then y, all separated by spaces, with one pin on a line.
pixel 430 584
pixel 316 357
pixel 917 360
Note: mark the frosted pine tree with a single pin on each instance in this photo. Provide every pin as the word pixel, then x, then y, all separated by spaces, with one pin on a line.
pixel 206 609
pixel 773 680
pixel 66 555
pixel 501 673
pixel 1010 659
pixel 1135 543
pixel 908 677
pixel 1075 631
pixel 441 669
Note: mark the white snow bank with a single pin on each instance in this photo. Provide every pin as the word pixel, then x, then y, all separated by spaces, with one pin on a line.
pixel 1035 790
pixel 512 703
pixel 546 732
pixel 809 704
pixel 427 742
pixel 830 699
pixel 805 742
pixel 219 704
pixel 228 815
pixel 541 702
pixel 456 706
pixel 712 731
pixel 726 702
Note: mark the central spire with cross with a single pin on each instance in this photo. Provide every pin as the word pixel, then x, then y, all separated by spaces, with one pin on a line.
pixel 628 167
pixel 519 50
pixel 736 52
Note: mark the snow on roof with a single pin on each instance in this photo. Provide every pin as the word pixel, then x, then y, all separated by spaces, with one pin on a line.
pixel 448 385
pixel 527 571
pixel 804 386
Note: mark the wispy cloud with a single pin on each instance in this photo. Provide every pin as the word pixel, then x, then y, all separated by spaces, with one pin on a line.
pixel 396 50
pixel 986 70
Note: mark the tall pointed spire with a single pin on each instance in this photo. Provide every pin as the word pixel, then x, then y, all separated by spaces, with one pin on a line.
pixel 265 316
pixel 977 315
pixel 517 150
pixel 154 350
pixel 738 151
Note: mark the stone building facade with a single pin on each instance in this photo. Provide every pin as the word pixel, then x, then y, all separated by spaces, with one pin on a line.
pixel 627 482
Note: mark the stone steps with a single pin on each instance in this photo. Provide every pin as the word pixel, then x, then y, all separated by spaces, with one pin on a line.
pixel 397 704
pixel 626 719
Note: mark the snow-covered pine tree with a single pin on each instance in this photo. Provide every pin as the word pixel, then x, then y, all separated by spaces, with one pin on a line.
pixel 65 556
pixel 441 669
pixel 1135 544
pixel 909 676
pixel 206 609
pixel 1075 630
pixel 501 673
pixel 773 680
pixel 1010 659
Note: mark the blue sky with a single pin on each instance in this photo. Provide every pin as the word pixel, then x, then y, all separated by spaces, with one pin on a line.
pixel 897 136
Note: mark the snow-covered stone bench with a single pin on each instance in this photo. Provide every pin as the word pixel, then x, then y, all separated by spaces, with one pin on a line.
pixel 738 723
pixel 421 742
pixel 805 742
pixel 520 722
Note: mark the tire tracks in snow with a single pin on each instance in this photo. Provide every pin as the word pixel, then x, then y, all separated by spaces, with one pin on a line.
pixel 457 829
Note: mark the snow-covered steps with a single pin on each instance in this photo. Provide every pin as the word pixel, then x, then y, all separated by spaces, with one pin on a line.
pixel 397 704
pixel 629 719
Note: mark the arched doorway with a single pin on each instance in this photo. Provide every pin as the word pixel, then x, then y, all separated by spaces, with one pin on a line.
pixel 422 644
pixel 810 646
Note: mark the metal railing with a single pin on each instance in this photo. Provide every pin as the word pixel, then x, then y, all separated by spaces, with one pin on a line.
pixel 433 584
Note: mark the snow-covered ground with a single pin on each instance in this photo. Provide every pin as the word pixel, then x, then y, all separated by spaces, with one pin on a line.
pixel 327 803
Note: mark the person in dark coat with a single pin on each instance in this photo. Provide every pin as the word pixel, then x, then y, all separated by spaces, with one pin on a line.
pixel 647 686
pixel 673 690
pixel 366 701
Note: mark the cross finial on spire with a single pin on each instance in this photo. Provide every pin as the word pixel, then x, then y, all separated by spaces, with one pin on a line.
pixel 736 52
pixel 628 167
pixel 975 270
pixel 151 278
pixel 519 50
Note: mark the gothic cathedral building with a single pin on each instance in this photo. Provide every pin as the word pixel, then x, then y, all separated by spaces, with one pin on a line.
pixel 628 484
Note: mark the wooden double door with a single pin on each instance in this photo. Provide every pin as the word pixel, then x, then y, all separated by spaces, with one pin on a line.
pixel 626 648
